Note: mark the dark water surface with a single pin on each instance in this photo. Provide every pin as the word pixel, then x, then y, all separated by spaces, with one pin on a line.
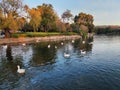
pixel 47 68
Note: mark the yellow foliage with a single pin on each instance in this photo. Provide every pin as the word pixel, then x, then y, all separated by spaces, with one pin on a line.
pixel 35 18
pixel 10 23
pixel 21 22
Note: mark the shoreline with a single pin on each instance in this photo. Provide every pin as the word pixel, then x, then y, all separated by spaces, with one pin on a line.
pixel 37 39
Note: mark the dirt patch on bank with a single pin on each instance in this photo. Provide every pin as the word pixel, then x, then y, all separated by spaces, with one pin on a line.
pixel 37 39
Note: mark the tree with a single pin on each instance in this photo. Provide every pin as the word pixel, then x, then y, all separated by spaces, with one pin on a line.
pixel 49 17
pixel 21 22
pixel 9 24
pixel 84 19
pixel 1 18
pixel 35 18
pixel 60 26
pixel 11 10
pixel 66 16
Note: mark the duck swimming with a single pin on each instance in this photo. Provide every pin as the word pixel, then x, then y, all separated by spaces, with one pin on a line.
pixel 20 70
pixel 67 55
pixel 49 46
pixel 83 52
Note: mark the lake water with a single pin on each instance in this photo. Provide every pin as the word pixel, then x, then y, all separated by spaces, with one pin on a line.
pixel 98 68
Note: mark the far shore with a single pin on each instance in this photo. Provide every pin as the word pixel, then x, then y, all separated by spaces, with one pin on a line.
pixel 37 39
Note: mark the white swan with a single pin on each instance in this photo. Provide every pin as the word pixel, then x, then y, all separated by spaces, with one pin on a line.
pixel 62 43
pixel 55 47
pixel 5 46
pixel 83 42
pixel 83 52
pixel 67 55
pixel 91 43
pixel 49 46
pixel 37 40
pixel 24 44
pixel 20 70
pixel 73 41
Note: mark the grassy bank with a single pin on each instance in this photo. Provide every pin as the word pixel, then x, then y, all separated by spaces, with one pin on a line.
pixel 40 34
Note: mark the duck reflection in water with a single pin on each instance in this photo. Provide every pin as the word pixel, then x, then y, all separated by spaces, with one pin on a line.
pixel 67 52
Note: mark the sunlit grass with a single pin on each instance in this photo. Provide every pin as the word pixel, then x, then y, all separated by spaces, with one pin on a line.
pixel 40 34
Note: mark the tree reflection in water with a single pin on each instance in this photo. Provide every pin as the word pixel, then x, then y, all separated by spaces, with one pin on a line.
pixel 9 53
pixel 43 55
pixel 36 55
pixel 87 47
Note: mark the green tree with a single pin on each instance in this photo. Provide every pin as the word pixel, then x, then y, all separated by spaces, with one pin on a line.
pixel 49 18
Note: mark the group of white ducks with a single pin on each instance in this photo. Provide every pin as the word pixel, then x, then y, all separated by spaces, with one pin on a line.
pixel 22 71
pixel 5 46
pixel 61 44
pixel 67 55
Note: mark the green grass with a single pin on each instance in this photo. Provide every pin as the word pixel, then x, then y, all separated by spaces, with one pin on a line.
pixel 40 34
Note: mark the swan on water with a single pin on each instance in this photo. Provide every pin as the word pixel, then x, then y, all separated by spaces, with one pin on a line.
pixel 83 42
pixel 73 41
pixel 24 44
pixel 55 47
pixel 62 43
pixel 83 52
pixel 49 46
pixel 37 40
pixel 67 55
pixel 5 46
pixel 20 70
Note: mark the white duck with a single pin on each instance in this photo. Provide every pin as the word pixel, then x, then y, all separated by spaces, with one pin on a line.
pixel 67 55
pixel 55 47
pixel 62 43
pixel 49 46
pixel 24 44
pixel 83 42
pixel 20 70
pixel 83 52
pixel 91 43
pixel 5 46
pixel 37 40
pixel 73 41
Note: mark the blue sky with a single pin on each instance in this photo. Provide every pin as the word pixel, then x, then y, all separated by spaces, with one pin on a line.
pixel 105 12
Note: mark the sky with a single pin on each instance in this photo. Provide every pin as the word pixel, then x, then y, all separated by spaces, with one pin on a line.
pixel 105 12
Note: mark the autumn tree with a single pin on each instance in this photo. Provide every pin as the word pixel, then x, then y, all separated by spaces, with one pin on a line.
pixel 21 21
pixel 1 18
pixel 35 18
pixel 11 10
pixel 84 19
pixel 60 26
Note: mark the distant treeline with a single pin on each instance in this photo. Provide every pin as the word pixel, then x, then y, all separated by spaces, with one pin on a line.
pixel 107 30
